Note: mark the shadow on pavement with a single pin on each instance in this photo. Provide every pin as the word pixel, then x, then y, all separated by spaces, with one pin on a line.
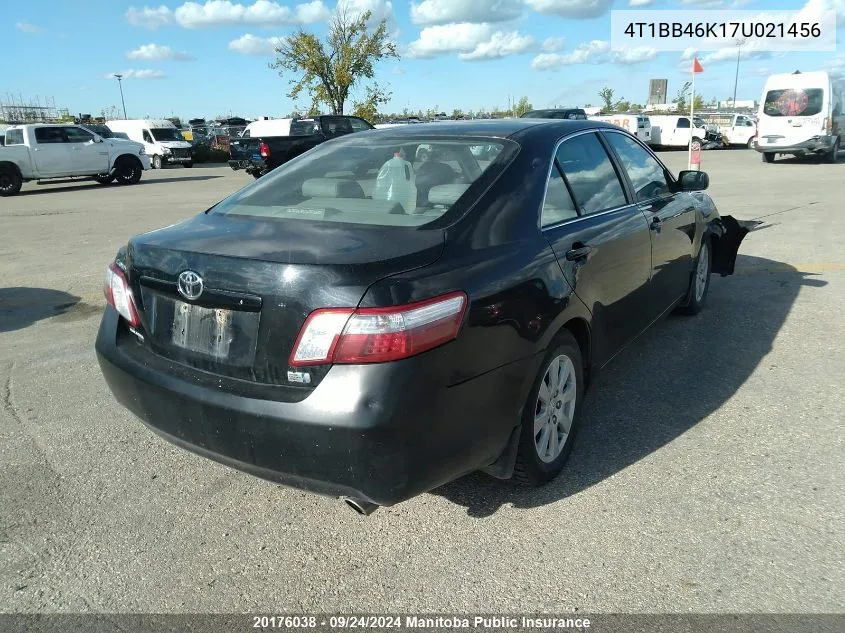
pixel 79 184
pixel 672 377
pixel 21 307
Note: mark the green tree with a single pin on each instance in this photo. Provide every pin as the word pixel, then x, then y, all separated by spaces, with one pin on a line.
pixel 622 105
pixel 328 71
pixel 698 104
pixel 522 106
pixel 681 98
pixel 606 95
pixel 636 107
pixel 457 113
pixel 367 108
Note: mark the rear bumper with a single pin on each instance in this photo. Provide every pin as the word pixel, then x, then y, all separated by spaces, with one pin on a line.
pixel 381 433
pixel 815 145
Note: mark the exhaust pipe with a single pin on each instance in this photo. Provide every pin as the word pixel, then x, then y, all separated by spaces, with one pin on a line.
pixel 361 507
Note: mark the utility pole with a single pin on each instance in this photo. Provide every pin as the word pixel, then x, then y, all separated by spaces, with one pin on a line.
pixel 120 83
pixel 736 77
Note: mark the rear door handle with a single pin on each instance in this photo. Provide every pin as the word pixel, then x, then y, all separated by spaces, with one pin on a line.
pixel 578 253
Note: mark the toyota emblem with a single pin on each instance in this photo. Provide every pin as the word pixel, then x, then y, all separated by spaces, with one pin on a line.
pixel 189 285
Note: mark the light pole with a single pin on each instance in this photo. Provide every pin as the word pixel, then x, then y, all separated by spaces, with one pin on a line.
pixel 739 44
pixel 120 83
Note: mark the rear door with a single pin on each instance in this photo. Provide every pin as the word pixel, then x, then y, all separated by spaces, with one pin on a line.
pixel 50 152
pixel 600 240
pixel 790 116
pixel 86 156
pixel 670 216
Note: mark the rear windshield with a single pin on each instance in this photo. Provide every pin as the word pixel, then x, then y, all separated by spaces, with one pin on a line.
pixel 791 102
pixel 365 182
pixel 167 134
pixel 555 114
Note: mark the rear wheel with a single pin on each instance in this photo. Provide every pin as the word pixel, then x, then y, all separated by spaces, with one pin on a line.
pixel 104 179
pixel 128 170
pixel 768 157
pixel 550 417
pixel 699 282
pixel 156 162
pixel 10 182
pixel 833 154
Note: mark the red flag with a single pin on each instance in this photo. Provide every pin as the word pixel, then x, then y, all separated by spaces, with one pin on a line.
pixel 696 67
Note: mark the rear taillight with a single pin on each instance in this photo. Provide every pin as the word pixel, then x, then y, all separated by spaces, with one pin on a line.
pixel 378 335
pixel 264 150
pixel 119 296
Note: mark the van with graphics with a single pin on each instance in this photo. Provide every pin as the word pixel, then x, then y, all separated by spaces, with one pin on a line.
pixel 801 114
pixel 162 140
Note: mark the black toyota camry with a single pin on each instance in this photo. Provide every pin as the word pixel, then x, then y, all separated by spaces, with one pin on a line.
pixel 333 328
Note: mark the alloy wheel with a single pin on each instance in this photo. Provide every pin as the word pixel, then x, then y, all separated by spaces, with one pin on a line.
pixel 555 408
pixel 702 271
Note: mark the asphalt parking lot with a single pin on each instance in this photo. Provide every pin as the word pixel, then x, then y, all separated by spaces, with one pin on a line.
pixel 708 477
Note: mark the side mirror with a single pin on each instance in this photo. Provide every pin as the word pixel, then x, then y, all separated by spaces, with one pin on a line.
pixel 98 139
pixel 693 180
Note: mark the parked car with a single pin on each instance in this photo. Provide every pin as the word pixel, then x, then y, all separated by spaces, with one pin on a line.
pixel 637 124
pixel 800 114
pixel 266 144
pixel 41 152
pixel 313 330
pixel 556 113
pixel 162 140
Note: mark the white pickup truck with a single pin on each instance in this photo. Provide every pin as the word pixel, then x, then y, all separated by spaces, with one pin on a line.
pixel 43 151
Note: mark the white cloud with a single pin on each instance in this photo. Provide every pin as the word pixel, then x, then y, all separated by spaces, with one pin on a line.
pixel 379 9
pixel 640 3
pixel 593 51
pixel 552 44
pixel 149 17
pixel 449 38
pixel 635 55
pixel 430 12
pixel 577 9
pixel 137 74
pixel 253 45
pixel 26 27
pixel 193 15
pixel 154 52
pixel 500 45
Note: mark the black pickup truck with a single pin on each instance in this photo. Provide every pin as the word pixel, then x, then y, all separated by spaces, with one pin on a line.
pixel 259 154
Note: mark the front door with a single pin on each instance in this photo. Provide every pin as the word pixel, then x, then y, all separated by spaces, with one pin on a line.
pixel 600 240
pixel 86 156
pixel 51 153
pixel 671 219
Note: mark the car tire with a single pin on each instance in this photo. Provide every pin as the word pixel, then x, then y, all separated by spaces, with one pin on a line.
pixel 188 165
pixel 156 162
pixel 554 400
pixel 833 155
pixel 256 174
pixel 104 179
pixel 768 157
pixel 128 170
pixel 699 283
pixel 751 143
pixel 10 182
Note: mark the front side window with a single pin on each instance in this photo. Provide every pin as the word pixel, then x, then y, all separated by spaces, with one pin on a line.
pixel 358 125
pixel 683 122
pixel 376 181
pixel 591 175
pixel 792 102
pixel 646 174
pixel 336 126
pixel 166 134
pixel 78 135
pixel 44 135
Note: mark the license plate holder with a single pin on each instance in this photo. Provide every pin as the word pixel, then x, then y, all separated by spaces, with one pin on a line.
pixel 770 141
pixel 206 331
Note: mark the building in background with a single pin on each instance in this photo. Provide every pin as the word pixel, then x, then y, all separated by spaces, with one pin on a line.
pixel 657 90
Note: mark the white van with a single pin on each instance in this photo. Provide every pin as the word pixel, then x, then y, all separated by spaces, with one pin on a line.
pixel 801 113
pixel 736 129
pixel 637 124
pixel 673 130
pixel 162 140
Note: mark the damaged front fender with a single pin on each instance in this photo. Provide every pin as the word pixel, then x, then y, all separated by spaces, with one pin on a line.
pixel 726 235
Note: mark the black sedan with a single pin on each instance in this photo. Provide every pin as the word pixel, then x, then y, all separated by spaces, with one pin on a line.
pixel 371 321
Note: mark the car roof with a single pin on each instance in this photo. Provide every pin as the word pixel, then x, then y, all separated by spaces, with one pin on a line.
pixel 491 128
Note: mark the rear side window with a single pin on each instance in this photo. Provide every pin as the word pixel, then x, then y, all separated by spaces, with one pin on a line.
pixel 14 137
pixel 647 175
pixel 303 128
pixel 806 102
pixel 44 135
pixel 558 205
pixel 384 182
pixel 591 175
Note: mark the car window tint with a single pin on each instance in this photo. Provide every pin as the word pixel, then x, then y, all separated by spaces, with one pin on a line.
pixel 49 135
pixel 335 126
pixel 77 135
pixel 147 137
pixel 647 175
pixel 358 125
pixel 590 173
pixel 557 205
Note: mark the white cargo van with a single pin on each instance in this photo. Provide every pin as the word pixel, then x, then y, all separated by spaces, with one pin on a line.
pixel 672 130
pixel 162 140
pixel 736 129
pixel 637 124
pixel 801 113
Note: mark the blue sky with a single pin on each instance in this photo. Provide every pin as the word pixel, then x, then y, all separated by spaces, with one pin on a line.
pixel 207 58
